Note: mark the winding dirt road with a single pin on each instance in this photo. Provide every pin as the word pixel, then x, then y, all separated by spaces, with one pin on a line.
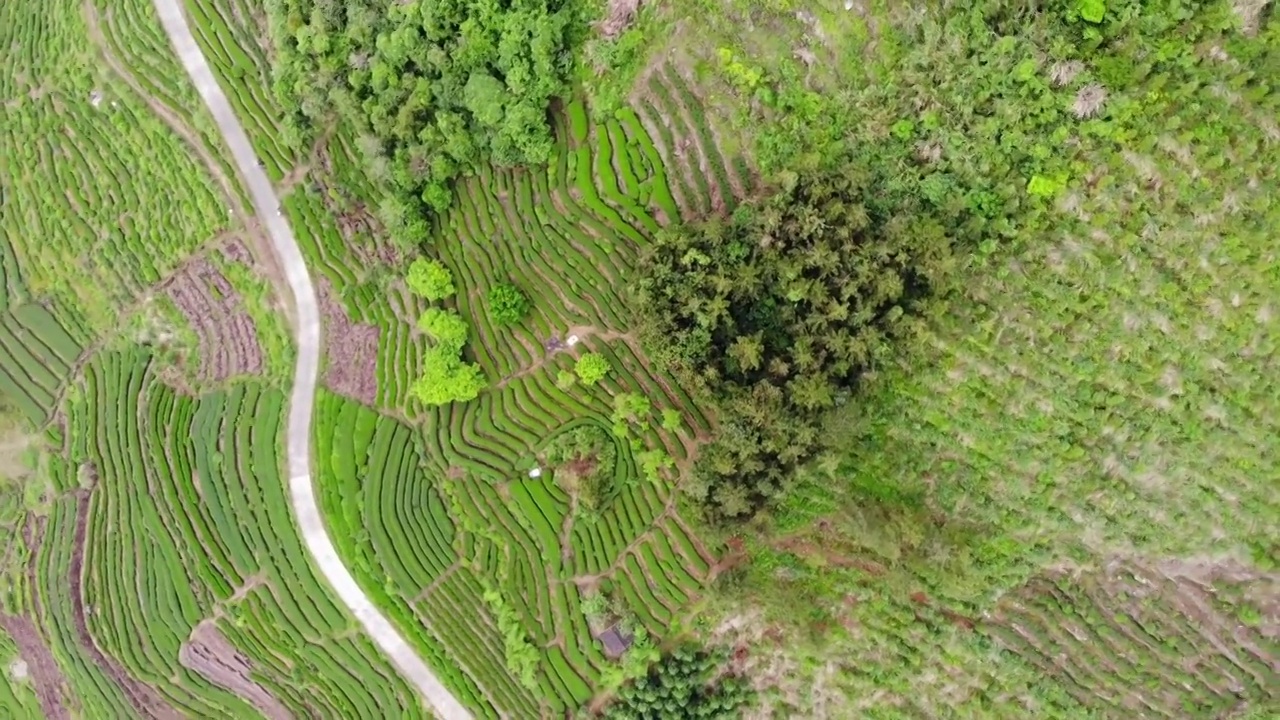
pixel 302 397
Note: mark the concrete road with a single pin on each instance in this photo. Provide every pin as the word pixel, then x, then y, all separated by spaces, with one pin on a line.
pixel 302 398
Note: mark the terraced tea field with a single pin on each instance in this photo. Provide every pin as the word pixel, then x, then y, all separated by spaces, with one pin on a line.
pixel 151 565
pixel 436 508
pixel 531 543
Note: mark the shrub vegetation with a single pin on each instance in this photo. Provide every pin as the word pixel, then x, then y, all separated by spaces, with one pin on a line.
pixel 686 684
pixel 507 304
pixel 584 463
pixel 430 279
pixel 591 368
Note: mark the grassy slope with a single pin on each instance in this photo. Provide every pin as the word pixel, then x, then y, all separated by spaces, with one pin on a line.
pixel 1103 386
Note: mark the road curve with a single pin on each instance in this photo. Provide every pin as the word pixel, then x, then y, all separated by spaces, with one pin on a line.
pixel 302 397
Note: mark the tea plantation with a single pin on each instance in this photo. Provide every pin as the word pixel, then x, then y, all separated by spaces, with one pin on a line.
pixel 1041 482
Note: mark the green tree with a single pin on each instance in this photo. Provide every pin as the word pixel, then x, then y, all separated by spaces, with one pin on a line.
pixel 430 279
pixel 591 368
pixel 435 87
pixel 507 304
pixel 446 378
pixel 685 684
pixel 445 327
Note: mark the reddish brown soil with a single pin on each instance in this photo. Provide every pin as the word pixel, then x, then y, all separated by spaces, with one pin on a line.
pixel 144 699
pixel 50 686
pixel 804 548
pixel 208 654
pixel 351 349
pixel 228 340
pixel 617 17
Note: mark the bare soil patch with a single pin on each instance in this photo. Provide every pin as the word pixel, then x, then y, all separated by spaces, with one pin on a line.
pixel 210 655
pixel 228 340
pixel 618 16
pixel 351 350
pixel 50 685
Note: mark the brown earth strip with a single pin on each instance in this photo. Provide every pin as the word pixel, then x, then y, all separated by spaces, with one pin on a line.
pixel 209 654
pixel 143 698
pixel 51 686
pixel 351 360
pixel 32 537
pixel 228 339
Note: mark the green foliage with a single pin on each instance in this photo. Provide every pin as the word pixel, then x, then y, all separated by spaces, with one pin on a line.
pixel 522 657
pixel 1092 10
pixel 1044 187
pixel 584 460
pixel 595 607
pixel 591 368
pixel 778 312
pixel 652 462
pixel 446 378
pixel 507 304
pixel 430 279
pixel 685 684
pixel 446 328
pixel 630 409
pixel 434 87
pixel 565 379
pixel 1054 416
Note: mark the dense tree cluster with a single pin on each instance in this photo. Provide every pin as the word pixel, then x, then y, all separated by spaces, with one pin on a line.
pixel 432 86
pixel 445 377
pixel 777 312
pixel 685 684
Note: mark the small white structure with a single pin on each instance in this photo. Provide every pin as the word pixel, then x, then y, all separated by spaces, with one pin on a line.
pixel 535 473
pixel 573 340
pixel 95 98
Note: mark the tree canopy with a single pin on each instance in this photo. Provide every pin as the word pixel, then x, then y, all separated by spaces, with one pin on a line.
pixel 683 685
pixel 432 87
pixel 430 279
pixel 591 368
pixel 445 377
pixel 507 304
pixel 777 312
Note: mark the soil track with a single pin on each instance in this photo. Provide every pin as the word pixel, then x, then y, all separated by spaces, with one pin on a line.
pixel 51 688
pixel 302 395
pixel 209 654
pixel 228 340
pixel 351 362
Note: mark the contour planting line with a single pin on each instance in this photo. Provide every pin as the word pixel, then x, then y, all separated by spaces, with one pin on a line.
pixel 302 394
